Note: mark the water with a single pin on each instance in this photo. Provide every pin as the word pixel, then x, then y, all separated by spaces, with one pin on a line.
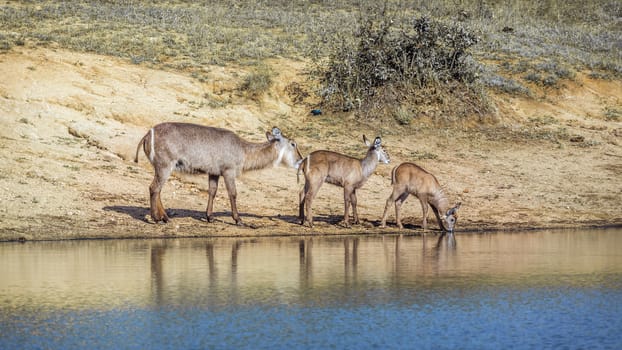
pixel 557 289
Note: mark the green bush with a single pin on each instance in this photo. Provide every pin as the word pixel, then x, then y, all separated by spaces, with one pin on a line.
pixel 382 65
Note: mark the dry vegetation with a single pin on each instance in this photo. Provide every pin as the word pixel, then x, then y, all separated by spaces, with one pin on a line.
pixel 495 85
pixel 539 43
pixel 386 60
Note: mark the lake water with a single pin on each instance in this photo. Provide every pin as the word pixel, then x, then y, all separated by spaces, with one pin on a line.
pixel 533 290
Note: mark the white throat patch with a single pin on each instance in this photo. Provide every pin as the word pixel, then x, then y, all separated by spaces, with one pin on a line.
pixel 279 159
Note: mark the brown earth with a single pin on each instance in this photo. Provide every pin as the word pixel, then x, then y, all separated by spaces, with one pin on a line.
pixel 71 123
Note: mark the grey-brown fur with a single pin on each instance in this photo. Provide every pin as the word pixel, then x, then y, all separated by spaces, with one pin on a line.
pixel 213 151
pixel 340 170
pixel 409 178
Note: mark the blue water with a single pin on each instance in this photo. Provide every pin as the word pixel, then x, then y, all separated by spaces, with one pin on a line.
pixel 557 290
pixel 486 319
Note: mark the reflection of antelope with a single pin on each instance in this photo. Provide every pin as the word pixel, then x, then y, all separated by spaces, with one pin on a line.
pixel 448 239
pixel 340 170
pixel 213 151
pixel 409 178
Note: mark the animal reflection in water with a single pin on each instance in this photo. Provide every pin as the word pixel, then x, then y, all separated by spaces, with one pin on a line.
pixel 398 254
pixel 447 241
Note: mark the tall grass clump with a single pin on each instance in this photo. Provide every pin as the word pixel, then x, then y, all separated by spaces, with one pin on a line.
pixel 257 82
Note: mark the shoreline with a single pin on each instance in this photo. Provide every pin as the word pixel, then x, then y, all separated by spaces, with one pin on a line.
pixel 335 232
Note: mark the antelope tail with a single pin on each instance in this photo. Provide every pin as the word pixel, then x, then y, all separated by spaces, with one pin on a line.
pixel 304 165
pixel 142 143
pixel 393 175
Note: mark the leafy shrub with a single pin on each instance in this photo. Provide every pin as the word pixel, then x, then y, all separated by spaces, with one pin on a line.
pixel 384 65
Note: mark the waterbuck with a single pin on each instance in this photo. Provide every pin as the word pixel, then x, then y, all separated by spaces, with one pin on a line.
pixel 409 178
pixel 212 151
pixel 340 170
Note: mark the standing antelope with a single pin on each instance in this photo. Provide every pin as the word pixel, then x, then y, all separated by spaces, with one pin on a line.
pixel 213 151
pixel 409 178
pixel 341 170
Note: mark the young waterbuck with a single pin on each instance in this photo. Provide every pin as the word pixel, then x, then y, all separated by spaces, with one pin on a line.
pixel 341 170
pixel 212 151
pixel 409 178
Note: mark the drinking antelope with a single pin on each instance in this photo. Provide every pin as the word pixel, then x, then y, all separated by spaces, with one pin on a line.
pixel 409 178
pixel 213 151
pixel 340 170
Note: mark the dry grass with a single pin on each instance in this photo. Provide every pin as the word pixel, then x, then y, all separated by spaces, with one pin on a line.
pixel 521 44
pixel 256 83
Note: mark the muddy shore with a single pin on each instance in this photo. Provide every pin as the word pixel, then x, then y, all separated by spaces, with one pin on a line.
pixel 71 124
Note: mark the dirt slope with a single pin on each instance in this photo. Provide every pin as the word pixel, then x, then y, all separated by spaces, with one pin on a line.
pixel 71 123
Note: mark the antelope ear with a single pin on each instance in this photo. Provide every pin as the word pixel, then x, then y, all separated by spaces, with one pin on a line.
pixel 366 141
pixel 453 210
pixel 277 133
pixel 377 141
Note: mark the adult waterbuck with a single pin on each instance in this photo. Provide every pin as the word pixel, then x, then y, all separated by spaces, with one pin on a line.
pixel 409 178
pixel 340 170
pixel 212 151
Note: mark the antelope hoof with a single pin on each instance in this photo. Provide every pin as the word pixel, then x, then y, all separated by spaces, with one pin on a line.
pixel 161 221
pixel 210 219
pixel 239 222
pixel 383 225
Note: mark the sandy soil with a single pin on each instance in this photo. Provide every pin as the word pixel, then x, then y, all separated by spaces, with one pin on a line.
pixel 71 123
